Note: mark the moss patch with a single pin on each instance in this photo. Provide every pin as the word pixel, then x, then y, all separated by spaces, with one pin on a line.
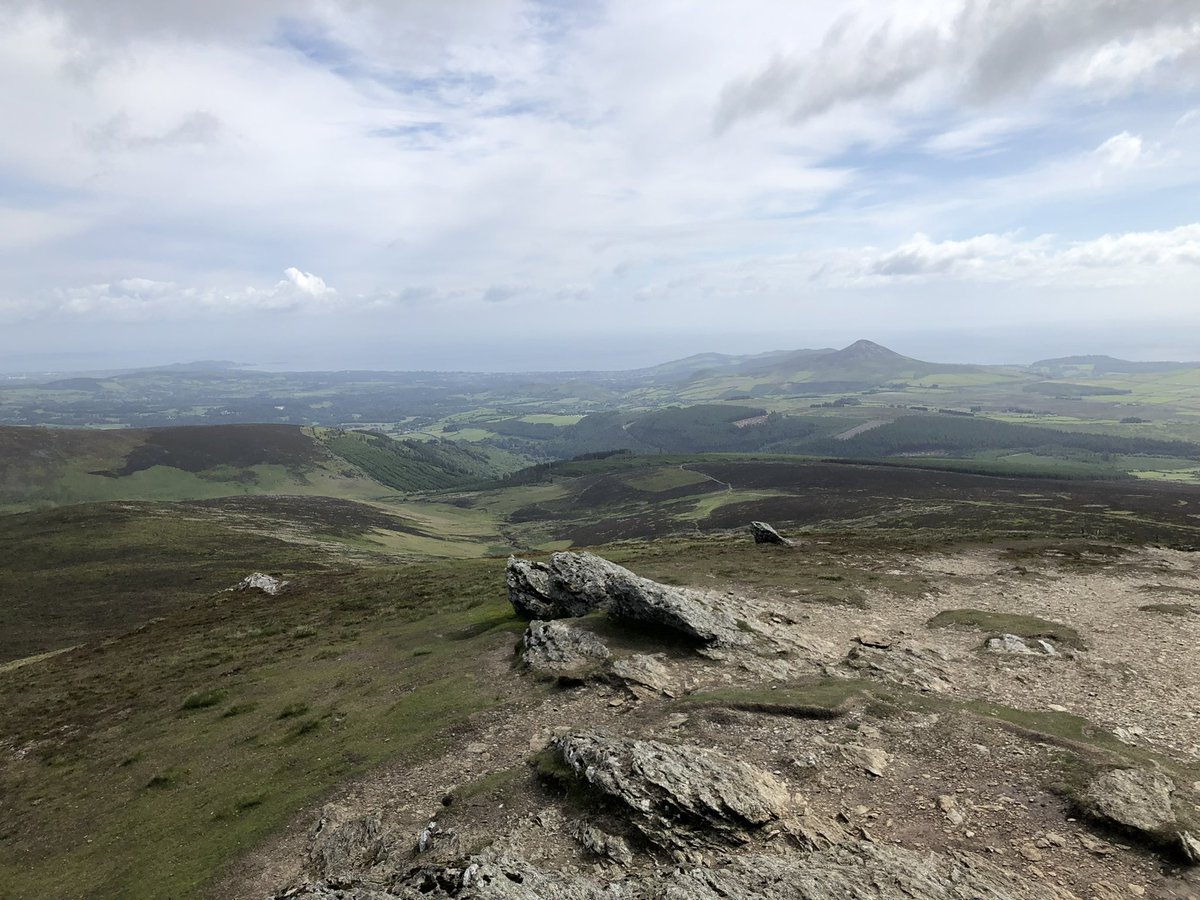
pixel 1030 627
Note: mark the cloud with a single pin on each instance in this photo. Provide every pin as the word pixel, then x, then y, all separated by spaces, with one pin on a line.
pixel 305 283
pixel 1127 258
pixel 1121 150
pixel 488 166
pixel 979 52
pixel 145 299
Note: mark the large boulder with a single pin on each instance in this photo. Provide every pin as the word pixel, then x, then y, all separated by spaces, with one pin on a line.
pixel 677 797
pixel 698 616
pixel 567 585
pixel 1141 801
pixel 555 648
pixel 573 584
pixel 1137 799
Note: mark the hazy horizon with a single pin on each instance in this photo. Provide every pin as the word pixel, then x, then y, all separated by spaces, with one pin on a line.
pixel 636 357
pixel 532 185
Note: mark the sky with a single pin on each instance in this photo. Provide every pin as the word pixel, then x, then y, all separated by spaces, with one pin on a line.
pixel 576 184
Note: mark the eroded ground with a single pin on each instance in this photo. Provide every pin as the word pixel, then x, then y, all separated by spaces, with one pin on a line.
pixel 982 751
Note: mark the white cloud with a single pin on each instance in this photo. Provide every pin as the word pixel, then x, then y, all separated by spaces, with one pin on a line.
pixel 1121 150
pixel 305 282
pixel 146 299
pixel 1128 258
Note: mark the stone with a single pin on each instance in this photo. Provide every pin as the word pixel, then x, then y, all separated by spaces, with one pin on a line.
pixel 1011 643
pixel 556 648
pixel 339 846
pixel 950 808
pixel 860 869
pixel 1189 846
pixel 679 797
pixel 644 675
pixel 567 585
pixel 765 534
pixel 1094 845
pixel 258 581
pixel 1137 799
pixel 574 584
pixel 871 759
pixel 873 639
pixel 603 844
pixel 915 668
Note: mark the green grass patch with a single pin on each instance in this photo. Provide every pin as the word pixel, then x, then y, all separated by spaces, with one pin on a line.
pixel 823 698
pixel 1030 627
pixel 118 794
pixel 203 699
pixel 1172 609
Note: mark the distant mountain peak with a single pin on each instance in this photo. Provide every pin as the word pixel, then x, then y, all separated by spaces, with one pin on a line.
pixel 865 348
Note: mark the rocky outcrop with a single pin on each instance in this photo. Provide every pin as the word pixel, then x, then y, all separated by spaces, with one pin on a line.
pixel 574 584
pixel 567 585
pixel 555 648
pixel 677 797
pixel 765 534
pixel 862 870
pixel 339 849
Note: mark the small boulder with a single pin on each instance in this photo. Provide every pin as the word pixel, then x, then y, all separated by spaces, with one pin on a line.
pixel 871 760
pixel 555 648
pixel 1011 643
pixel 765 534
pixel 258 581
pixel 1137 799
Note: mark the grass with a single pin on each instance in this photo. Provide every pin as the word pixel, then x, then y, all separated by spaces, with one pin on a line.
pixel 1172 609
pixel 117 794
pixel 110 568
pixel 822 698
pixel 203 699
pixel 1029 627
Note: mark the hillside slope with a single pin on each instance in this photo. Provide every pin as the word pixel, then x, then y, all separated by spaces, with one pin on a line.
pixel 42 467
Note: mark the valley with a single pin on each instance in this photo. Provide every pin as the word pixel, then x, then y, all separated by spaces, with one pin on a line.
pixel 163 734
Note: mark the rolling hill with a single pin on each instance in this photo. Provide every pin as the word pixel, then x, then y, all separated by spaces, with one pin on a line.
pixel 41 467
